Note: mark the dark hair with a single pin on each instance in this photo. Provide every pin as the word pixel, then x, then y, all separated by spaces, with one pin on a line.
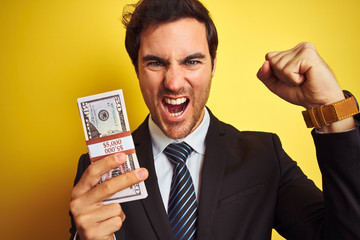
pixel 155 12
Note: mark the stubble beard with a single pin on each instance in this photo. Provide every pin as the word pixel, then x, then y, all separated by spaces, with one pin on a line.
pixel 177 130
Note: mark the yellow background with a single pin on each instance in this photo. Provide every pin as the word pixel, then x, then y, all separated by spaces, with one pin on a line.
pixel 53 52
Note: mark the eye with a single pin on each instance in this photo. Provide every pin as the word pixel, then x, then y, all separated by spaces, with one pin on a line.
pixel 154 64
pixel 192 62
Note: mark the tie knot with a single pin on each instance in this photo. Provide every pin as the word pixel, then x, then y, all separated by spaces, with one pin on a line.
pixel 177 153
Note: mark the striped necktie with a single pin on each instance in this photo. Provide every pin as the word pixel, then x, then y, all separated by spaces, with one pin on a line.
pixel 182 208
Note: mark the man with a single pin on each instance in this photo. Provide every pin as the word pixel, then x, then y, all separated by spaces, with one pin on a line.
pixel 244 182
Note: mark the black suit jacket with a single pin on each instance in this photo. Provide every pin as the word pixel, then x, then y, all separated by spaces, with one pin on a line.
pixel 249 185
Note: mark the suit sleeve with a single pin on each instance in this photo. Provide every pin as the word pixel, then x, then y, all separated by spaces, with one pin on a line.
pixel 84 162
pixel 299 211
pixel 339 160
pixel 303 211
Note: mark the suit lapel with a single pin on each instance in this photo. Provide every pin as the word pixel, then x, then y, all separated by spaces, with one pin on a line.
pixel 153 204
pixel 211 177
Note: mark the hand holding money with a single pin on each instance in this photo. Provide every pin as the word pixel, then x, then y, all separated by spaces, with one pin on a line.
pixel 93 219
pixel 107 131
pixel 114 175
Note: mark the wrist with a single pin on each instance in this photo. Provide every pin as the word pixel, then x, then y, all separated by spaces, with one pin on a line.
pixel 339 96
pixel 334 117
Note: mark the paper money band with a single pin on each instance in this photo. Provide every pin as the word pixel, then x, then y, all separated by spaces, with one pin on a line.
pixel 101 147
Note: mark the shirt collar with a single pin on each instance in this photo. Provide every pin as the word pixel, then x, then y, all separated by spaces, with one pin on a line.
pixel 196 139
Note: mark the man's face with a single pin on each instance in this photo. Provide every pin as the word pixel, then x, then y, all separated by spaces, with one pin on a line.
pixel 175 72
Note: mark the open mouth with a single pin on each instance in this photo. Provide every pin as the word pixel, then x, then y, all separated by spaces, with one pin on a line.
pixel 175 106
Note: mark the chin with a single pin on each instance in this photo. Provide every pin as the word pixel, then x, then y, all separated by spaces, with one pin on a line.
pixel 176 131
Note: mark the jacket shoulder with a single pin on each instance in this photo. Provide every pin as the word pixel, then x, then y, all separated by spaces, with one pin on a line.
pixel 233 133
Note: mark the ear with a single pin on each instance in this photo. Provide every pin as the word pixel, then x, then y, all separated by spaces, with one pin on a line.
pixel 214 66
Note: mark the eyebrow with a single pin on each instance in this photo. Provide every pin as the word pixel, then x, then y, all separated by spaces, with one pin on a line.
pixel 193 56
pixel 152 58
pixel 159 59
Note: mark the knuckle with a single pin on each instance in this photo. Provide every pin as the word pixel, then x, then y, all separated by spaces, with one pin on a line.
pixel 130 177
pixel 288 72
pixel 118 222
pixel 308 48
pixel 294 80
pixel 278 65
pixel 106 187
pixel 270 58
pixel 307 45
pixel 92 171
pixel 111 162
pixel 73 194
pixel 81 221
pixel 116 208
pixel 74 207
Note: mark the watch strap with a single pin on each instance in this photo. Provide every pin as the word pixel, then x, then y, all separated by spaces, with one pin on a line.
pixel 326 114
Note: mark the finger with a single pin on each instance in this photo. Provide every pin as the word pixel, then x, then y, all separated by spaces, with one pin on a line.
pixel 100 214
pixel 275 55
pixel 94 172
pixel 270 55
pixel 280 58
pixel 293 66
pixel 293 72
pixel 265 71
pixel 286 66
pixel 281 89
pixel 102 230
pixel 110 226
pixel 108 211
pixel 288 71
pixel 278 62
pixel 108 188
pixel 267 77
pixel 276 86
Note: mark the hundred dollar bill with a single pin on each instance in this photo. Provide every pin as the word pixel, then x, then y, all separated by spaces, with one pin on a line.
pixel 107 131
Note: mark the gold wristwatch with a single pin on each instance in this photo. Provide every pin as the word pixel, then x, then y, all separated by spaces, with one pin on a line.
pixel 318 117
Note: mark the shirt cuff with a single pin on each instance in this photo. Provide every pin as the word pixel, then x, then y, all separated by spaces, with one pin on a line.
pixel 357 124
pixel 319 132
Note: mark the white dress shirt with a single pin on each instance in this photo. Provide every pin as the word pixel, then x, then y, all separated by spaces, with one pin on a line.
pixel 163 167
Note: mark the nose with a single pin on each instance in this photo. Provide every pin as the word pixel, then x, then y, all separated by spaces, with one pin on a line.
pixel 174 78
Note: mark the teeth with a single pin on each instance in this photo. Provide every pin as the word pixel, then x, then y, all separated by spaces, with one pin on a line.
pixel 180 100
pixel 175 114
pixel 175 101
pixel 172 101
